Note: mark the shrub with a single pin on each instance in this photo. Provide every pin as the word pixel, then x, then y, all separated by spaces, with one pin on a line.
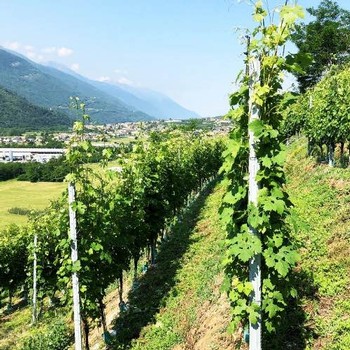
pixel 59 337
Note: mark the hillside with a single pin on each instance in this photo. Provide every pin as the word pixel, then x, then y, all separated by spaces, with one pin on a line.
pixel 321 317
pixel 177 304
pixel 52 88
pixel 191 313
pixel 182 306
pixel 17 113
pixel 187 277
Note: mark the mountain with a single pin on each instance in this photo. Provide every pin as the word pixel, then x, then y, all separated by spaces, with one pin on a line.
pixel 50 87
pixel 151 102
pixel 17 113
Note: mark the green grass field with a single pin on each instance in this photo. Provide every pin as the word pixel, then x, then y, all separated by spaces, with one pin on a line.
pixel 26 195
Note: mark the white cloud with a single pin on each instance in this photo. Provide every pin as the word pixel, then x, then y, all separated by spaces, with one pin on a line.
pixel 104 79
pixel 125 81
pixel 13 45
pixel 75 66
pixel 59 51
pixel 29 48
pixel 64 52
pixel 34 56
pixel 42 54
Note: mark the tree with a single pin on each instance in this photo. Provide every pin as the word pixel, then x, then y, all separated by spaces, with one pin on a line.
pixel 327 39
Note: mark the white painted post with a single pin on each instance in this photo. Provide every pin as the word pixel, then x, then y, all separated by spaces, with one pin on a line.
pixel 74 256
pixel 34 313
pixel 330 155
pixel 255 262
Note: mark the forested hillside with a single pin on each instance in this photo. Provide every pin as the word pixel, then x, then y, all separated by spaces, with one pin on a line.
pixel 16 113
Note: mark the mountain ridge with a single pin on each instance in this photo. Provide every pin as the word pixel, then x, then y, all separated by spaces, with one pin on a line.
pixel 51 85
pixel 48 87
pixel 149 101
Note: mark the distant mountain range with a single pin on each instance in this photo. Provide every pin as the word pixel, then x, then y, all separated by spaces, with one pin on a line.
pixel 51 86
pixel 148 101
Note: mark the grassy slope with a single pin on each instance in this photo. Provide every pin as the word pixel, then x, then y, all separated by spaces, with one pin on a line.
pixel 178 304
pixel 321 196
pixel 26 195
pixel 319 319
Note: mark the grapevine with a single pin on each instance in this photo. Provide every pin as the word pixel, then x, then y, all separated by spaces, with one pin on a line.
pixel 322 112
pixel 116 217
pixel 268 217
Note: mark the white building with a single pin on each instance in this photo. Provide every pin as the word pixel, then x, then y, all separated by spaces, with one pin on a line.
pixel 41 155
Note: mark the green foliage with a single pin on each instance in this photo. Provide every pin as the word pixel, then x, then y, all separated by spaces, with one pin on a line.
pixel 19 211
pixel 268 217
pixel 57 337
pixel 326 38
pixel 11 170
pixel 322 113
pixel 13 258
pixel 54 170
pixel 119 214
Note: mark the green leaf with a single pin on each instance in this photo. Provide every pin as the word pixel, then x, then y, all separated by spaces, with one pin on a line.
pixel 282 267
pixel 96 246
pixel 278 240
pixel 257 127
pixel 289 13
pixel 253 316
pixel 280 158
pixel 266 161
pixel 272 309
pixel 76 266
pixel 245 246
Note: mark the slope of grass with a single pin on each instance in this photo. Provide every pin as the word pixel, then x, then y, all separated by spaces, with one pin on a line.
pixel 26 195
pixel 321 196
pixel 178 304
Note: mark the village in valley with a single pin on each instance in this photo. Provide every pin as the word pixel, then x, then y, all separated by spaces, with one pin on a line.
pixel 44 146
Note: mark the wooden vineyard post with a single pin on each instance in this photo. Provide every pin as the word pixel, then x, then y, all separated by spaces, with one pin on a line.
pixel 74 256
pixel 34 314
pixel 255 262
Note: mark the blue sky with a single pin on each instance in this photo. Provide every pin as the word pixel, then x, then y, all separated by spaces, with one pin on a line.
pixel 187 49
